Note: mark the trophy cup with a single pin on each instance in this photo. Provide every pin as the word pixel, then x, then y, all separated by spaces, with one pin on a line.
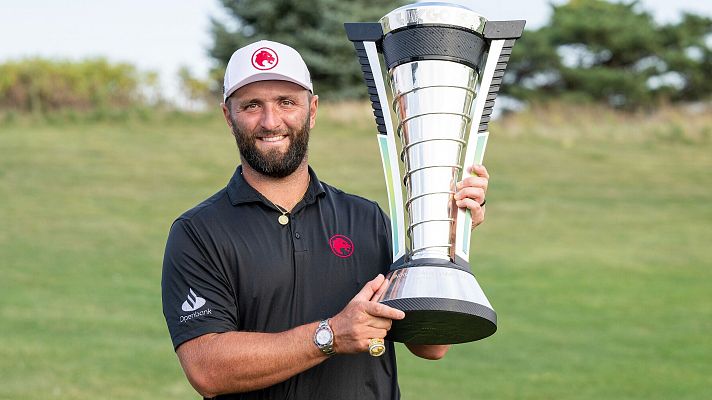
pixel 444 64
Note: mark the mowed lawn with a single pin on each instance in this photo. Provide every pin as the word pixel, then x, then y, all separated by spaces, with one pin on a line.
pixel 596 253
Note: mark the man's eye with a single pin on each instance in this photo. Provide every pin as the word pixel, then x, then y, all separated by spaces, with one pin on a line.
pixel 287 103
pixel 250 106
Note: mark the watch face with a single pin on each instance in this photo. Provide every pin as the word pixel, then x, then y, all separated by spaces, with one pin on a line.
pixel 323 336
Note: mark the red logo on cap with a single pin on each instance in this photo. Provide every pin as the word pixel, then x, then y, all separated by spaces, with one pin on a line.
pixel 264 59
pixel 341 246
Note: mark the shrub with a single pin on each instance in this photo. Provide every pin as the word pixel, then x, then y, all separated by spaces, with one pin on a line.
pixel 40 85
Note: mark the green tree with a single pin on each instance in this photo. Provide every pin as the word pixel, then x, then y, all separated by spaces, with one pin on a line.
pixel 613 53
pixel 688 55
pixel 314 27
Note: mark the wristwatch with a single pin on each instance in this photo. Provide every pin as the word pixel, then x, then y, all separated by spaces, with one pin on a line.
pixel 324 338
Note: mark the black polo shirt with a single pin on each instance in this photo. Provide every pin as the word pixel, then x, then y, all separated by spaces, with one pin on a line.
pixel 230 266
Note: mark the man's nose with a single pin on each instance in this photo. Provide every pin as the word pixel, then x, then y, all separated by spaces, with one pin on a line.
pixel 270 119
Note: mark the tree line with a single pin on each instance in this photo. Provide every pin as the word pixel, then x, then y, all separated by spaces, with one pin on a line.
pixel 590 50
pixel 41 86
pixel 613 53
pixel 594 51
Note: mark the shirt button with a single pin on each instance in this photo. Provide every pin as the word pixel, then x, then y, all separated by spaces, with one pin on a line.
pixel 297 235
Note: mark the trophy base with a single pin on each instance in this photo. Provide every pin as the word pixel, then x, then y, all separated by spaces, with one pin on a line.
pixel 441 321
pixel 443 304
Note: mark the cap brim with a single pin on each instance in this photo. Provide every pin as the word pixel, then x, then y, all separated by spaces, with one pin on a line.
pixel 266 76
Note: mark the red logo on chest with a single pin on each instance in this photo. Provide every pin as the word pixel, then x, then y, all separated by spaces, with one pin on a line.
pixel 341 246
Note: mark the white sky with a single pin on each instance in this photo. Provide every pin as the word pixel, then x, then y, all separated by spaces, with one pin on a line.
pixel 162 35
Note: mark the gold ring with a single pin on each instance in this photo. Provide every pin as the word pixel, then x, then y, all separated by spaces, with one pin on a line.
pixel 376 347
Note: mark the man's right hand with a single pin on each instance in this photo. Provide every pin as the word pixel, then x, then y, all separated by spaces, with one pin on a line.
pixel 363 318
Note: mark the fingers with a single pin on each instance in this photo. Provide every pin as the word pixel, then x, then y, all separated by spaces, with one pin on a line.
pixel 369 289
pixel 364 318
pixel 380 323
pixel 383 311
pixel 472 204
pixel 473 193
pixel 372 333
pixel 479 180
pixel 473 189
pixel 476 211
pixel 370 294
pixel 382 289
pixel 473 181
pixel 478 170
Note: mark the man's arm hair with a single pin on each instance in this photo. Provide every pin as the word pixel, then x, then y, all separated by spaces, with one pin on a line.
pixel 234 362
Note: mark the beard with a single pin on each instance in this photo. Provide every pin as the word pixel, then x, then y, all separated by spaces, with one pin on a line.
pixel 273 163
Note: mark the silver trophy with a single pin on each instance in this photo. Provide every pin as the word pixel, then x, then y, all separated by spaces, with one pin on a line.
pixel 444 64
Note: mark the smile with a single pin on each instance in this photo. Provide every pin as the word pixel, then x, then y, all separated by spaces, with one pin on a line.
pixel 273 139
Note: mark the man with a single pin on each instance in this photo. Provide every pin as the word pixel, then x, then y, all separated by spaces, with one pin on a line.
pixel 270 286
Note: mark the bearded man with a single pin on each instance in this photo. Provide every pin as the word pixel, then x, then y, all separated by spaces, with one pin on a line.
pixel 270 286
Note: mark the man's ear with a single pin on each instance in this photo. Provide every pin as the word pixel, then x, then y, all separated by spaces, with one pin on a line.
pixel 226 114
pixel 312 110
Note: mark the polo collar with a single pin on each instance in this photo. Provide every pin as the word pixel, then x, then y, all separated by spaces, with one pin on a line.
pixel 241 192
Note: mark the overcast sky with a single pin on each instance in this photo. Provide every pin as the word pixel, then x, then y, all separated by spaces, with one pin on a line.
pixel 162 35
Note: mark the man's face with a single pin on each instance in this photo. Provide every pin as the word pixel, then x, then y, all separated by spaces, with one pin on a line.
pixel 271 121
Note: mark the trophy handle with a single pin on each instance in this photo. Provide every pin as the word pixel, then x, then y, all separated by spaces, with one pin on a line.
pixel 502 36
pixel 365 37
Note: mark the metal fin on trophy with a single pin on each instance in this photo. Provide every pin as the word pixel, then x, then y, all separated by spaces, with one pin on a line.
pixel 502 35
pixel 444 64
pixel 365 37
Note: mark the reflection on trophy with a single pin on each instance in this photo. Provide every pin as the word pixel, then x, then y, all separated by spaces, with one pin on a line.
pixel 444 65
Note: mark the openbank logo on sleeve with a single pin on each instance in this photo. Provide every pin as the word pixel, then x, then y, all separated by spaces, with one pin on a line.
pixel 193 303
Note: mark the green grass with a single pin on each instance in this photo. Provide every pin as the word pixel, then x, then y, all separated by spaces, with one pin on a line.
pixel 595 253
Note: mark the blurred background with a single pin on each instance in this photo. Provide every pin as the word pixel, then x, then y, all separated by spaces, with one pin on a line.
pixel 596 248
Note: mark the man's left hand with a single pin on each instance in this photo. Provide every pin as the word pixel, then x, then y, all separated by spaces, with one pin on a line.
pixel 471 193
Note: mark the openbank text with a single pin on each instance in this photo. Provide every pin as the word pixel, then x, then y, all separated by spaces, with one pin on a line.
pixel 196 314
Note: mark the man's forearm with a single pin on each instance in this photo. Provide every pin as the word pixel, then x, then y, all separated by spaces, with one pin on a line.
pixel 235 362
pixel 429 351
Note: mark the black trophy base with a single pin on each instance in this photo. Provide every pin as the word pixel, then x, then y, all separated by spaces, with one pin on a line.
pixel 441 321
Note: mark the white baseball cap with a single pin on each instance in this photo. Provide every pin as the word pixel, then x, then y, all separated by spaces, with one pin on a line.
pixel 265 61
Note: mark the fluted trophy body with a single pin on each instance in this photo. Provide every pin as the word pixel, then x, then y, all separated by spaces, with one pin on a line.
pixel 433 101
pixel 443 78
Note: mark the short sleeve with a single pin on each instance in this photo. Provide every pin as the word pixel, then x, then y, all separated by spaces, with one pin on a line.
pixel 197 296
